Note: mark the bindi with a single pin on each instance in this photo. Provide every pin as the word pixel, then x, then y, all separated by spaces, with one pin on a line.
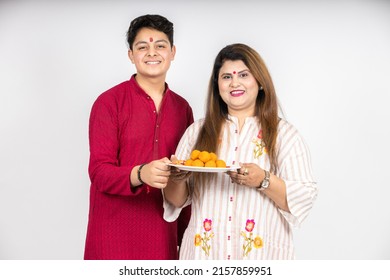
pixel 234 72
pixel 150 39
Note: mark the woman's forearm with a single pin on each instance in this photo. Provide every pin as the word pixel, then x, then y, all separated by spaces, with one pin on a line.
pixel 277 192
pixel 176 192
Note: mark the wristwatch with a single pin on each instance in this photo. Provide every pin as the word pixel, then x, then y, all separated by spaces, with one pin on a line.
pixel 265 183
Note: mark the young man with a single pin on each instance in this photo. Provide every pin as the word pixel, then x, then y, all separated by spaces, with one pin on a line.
pixel 134 127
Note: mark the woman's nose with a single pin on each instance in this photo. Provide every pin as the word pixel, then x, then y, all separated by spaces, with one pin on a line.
pixel 234 82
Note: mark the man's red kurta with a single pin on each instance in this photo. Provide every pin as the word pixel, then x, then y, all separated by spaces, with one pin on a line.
pixel 126 130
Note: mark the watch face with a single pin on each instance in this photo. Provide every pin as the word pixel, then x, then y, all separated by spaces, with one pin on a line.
pixel 265 184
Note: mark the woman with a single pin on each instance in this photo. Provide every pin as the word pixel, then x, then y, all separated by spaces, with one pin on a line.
pixel 249 213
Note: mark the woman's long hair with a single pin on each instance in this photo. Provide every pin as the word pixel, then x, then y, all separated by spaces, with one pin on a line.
pixel 217 110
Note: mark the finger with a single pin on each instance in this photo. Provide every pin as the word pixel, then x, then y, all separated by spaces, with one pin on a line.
pixel 162 179
pixel 232 173
pixel 182 173
pixel 174 158
pixel 242 167
pixel 240 178
pixel 163 167
pixel 160 185
pixel 166 160
pixel 158 174
pixel 242 170
pixel 175 171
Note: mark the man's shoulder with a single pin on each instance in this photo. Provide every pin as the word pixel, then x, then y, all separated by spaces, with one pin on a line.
pixel 117 89
pixel 114 92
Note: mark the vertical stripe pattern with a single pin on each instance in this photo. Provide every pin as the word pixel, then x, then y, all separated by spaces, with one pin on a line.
pixel 230 206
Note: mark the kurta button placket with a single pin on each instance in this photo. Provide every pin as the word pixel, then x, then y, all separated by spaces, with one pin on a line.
pixel 231 204
pixel 157 127
pixel 229 224
pixel 235 150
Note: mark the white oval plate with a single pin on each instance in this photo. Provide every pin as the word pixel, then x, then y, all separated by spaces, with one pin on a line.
pixel 204 169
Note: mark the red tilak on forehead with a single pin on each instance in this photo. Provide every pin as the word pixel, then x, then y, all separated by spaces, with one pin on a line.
pixel 150 39
pixel 234 72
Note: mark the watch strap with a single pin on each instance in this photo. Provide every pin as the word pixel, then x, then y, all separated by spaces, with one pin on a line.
pixel 265 183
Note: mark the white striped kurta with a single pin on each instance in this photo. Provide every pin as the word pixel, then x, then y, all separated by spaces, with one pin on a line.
pixel 223 212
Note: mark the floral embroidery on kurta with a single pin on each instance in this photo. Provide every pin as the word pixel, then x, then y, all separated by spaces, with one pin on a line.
pixel 249 241
pixel 207 235
pixel 259 149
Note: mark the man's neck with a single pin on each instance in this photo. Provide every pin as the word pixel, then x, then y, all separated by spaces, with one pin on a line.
pixel 152 86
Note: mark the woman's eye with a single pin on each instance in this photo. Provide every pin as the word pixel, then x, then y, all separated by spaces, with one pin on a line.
pixel 161 46
pixel 243 75
pixel 226 77
pixel 141 48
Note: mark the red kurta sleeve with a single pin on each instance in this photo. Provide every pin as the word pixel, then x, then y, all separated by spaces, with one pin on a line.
pixel 104 170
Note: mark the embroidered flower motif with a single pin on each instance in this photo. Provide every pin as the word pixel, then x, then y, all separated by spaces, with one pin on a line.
pixel 249 241
pixel 250 224
pixel 207 235
pixel 207 224
pixel 260 134
pixel 259 149
pixel 258 242
pixel 198 239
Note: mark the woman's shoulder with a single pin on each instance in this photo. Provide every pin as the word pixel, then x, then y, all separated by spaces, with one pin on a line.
pixel 196 125
pixel 287 132
pixel 285 126
pixel 193 129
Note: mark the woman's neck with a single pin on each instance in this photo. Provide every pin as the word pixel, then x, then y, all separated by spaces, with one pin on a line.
pixel 241 116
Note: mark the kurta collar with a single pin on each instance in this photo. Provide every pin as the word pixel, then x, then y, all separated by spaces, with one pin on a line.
pixel 248 120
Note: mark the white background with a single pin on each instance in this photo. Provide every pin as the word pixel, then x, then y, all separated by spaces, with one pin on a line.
pixel 330 64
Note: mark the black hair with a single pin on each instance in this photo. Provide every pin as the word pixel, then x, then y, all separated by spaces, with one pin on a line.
pixel 156 22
